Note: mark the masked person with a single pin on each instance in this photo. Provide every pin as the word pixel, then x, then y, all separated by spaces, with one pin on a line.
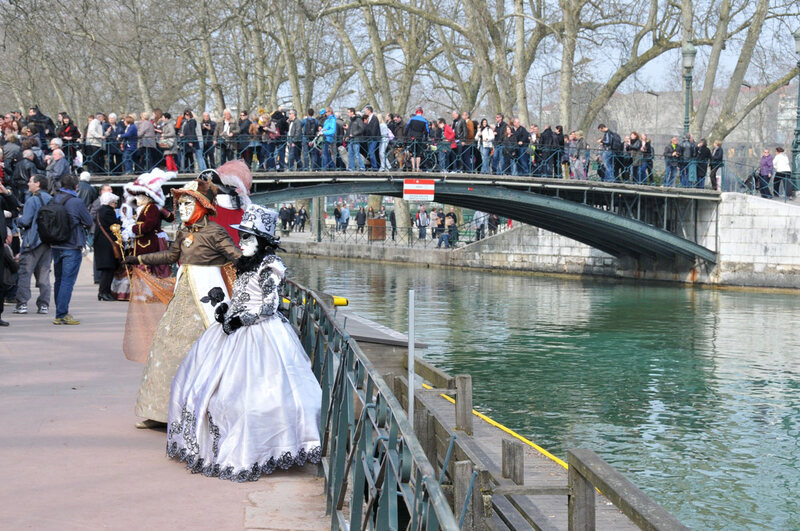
pixel 145 233
pixel 245 401
pixel 202 247
pixel 233 180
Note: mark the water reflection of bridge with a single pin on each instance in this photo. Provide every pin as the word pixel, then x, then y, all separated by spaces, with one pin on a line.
pixel 624 220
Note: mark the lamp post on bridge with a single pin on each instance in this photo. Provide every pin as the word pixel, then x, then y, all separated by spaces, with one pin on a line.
pixel 688 51
pixel 796 142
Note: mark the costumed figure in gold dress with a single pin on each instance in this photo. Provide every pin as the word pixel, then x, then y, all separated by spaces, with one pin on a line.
pixel 202 247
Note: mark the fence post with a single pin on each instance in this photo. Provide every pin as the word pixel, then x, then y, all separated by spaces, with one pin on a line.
pixel 514 461
pixel 464 403
pixel 463 478
pixel 581 500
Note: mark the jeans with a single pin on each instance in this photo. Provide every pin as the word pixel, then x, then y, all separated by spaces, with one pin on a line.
pixel 521 161
pixel 486 156
pixel 384 160
pixel 480 232
pixel 687 174
pixel 208 154
pixel 372 146
pixel 608 166
pixel 280 152
pixel 127 160
pixel 35 262
pixel 422 231
pixel 327 161
pixel 355 162
pixel 66 264
pixel 266 156
pixel 295 157
pixel 497 161
pixel 670 174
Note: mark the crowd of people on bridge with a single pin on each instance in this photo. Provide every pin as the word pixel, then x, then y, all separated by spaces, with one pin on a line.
pixel 287 140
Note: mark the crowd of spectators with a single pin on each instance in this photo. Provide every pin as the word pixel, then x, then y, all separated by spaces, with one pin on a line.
pixel 356 141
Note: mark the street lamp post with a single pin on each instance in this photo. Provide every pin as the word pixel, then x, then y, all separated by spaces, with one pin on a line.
pixel 688 51
pixel 655 132
pixel 796 143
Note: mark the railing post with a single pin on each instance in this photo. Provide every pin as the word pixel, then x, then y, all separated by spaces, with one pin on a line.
pixel 581 499
pixel 461 484
pixel 464 403
pixel 513 458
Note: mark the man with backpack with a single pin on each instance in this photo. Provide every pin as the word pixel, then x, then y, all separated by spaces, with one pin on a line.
pixel 62 224
pixel 611 144
pixel 34 258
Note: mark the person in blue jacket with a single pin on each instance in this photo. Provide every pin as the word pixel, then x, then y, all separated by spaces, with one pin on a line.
pixel 129 139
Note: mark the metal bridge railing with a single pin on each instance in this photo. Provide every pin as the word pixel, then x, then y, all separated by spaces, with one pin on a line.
pixel 435 156
pixel 376 473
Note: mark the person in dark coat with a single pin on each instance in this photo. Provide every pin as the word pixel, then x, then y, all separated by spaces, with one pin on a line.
pixel 361 220
pixel 7 202
pixel 104 243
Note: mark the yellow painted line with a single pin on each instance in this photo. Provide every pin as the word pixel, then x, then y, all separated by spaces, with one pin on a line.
pixel 507 430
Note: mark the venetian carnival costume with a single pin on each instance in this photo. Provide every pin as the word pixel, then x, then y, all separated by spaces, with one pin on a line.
pixel 145 232
pixel 245 401
pixel 202 247
pixel 233 180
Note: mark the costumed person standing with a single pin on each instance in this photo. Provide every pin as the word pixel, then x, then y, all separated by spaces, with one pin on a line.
pixel 202 247
pixel 233 180
pixel 245 401
pixel 145 234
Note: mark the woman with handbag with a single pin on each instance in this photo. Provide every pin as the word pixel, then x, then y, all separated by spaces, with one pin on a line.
pixel 107 253
pixel 167 141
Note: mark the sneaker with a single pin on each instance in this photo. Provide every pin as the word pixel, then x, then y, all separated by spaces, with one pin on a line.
pixel 66 320
pixel 21 308
pixel 43 309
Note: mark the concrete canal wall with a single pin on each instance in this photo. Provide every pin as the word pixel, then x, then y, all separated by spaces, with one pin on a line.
pixel 758 244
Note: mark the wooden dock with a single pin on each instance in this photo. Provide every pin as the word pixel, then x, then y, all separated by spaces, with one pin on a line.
pixel 517 485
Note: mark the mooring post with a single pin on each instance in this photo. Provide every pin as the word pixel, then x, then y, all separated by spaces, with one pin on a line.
pixel 464 403
pixel 461 489
pixel 514 461
pixel 580 508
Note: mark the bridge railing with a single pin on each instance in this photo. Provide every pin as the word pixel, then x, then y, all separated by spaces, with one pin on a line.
pixel 266 155
pixel 376 473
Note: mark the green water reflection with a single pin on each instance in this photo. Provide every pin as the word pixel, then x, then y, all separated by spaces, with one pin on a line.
pixel 692 394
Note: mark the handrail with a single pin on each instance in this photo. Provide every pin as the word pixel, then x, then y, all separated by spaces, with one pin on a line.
pixel 368 442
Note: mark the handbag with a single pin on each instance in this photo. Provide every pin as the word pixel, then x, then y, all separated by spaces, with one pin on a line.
pixel 166 143
pixel 114 247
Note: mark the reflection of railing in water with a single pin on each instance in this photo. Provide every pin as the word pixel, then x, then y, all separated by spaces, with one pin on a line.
pixel 368 443
pixel 435 473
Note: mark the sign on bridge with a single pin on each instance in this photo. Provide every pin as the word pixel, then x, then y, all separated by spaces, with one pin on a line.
pixel 418 189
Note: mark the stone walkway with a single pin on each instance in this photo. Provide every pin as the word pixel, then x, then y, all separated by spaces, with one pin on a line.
pixel 72 458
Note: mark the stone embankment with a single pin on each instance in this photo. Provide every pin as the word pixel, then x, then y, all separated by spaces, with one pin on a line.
pixel 757 241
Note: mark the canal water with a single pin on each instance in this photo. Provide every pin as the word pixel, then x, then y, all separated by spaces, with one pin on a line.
pixel 693 394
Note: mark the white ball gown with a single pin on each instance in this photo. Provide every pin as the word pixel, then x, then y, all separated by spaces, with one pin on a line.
pixel 245 404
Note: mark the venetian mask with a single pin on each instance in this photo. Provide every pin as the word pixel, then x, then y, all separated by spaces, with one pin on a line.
pixel 248 243
pixel 186 206
pixel 142 200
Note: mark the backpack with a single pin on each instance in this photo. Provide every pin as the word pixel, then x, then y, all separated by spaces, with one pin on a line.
pixel 616 141
pixel 310 127
pixel 53 222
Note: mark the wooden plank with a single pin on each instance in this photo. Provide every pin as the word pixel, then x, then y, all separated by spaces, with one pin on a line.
pixel 463 477
pixel 529 490
pixel 581 502
pixel 464 419
pixel 434 375
pixel 588 468
pixel 509 514
pixel 514 461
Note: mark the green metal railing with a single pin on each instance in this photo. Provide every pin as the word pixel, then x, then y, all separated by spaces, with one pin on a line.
pixel 375 468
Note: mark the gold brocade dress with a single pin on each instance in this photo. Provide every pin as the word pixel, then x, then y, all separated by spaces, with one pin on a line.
pixel 186 317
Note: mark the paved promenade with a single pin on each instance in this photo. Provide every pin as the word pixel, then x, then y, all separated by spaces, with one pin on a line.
pixel 72 458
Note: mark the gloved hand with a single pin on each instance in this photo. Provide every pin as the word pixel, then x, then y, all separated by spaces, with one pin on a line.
pixel 132 260
pixel 219 313
pixel 231 326
pixel 127 235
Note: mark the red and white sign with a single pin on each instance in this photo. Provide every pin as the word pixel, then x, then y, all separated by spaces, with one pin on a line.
pixel 418 189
